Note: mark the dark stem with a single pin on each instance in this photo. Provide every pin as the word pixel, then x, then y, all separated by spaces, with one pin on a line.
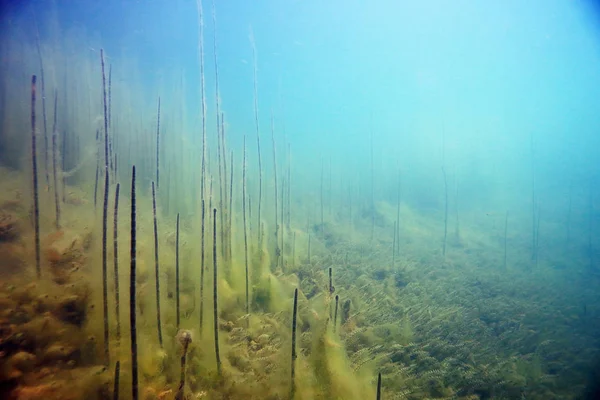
pixel 294 356
pixel 221 179
pixel 132 294
pixel 177 272
pixel 54 172
pixel 569 213
pixel 63 146
pixel 322 223
pixel 337 299
pixel 379 386
pixel 156 268
pixel 277 249
pixel 116 259
pixel 215 293
pixel 97 167
pixel 179 395
pixel 537 236
pixel 394 247
pixel 282 248
pixel 397 231
pixel 245 232
pixel 116 380
pixel 505 238
pixel 36 205
pixel 591 225
pixel 257 132
pixel 224 210
pixel 105 219
pixel 445 211
pixel 533 203
pixel 203 172
pixel 202 267
pixel 230 210
pixel 46 159
pixel 372 189
pixel 289 188
pixel 158 144
pixel 111 140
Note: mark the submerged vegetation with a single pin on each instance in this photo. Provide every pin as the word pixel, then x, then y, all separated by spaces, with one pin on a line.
pixel 242 287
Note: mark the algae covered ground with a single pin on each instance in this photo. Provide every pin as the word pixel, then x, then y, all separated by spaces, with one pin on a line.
pixel 464 326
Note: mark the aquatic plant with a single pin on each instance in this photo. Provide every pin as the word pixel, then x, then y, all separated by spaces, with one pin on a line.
pixel 36 207
pixel 116 261
pixel 156 269
pixel 105 218
pixel 215 294
pixel 132 292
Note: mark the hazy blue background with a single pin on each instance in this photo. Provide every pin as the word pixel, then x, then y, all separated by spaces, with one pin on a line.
pixel 487 76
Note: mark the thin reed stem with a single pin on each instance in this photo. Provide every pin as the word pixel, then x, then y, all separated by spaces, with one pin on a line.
pixel 116 380
pixel 133 293
pixel 245 231
pixel 97 167
pixel 294 355
pixel 289 188
pixel 398 211
pixel 156 268
pixel 322 223
pixel 394 247
pixel 215 293
pixel 277 249
pixel 445 211
pixel 116 260
pixel 337 300
pixel 186 339
pixel 36 205
pixel 230 209
pixel 177 272
pixel 54 171
pixel 158 145
pixel 202 267
pixel 257 131
pixel 43 88
pixel 505 238
pixel 105 220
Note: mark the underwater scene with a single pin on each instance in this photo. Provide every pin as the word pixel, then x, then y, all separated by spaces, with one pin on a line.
pixel 299 199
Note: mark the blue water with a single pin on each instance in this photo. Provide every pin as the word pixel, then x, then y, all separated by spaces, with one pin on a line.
pixel 440 157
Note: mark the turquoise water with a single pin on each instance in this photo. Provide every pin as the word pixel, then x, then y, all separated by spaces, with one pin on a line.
pixel 425 174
